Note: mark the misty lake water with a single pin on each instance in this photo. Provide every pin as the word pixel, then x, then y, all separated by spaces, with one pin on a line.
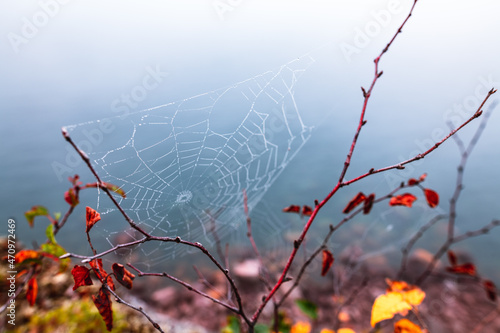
pixel 407 113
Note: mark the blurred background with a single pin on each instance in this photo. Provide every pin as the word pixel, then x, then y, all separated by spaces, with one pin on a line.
pixel 70 62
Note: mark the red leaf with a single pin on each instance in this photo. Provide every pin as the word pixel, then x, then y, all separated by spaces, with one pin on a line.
pixel 81 275
pixel 92 217
pixel 71 197
pixel 103 305
pixel 327 262
pixel 452 258
pixel 467 269
pixel 368 203
pixel 359 198
pixel 96 265
pixel 413 182
pixel 307 211
pixel 292 209
pixel 491 290
pixel 123 275
pixel 406 199
pixel 75 180
pixel 26 255
pixel 32 291
pixel 432 197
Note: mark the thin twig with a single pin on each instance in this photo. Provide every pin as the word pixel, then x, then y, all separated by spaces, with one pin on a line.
pixel 413 240
pixel 189 287
pixel 139 309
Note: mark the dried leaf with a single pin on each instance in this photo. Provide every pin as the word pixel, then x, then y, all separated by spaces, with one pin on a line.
pixel 406 199
pixel 406 326
pixel 327 262
pixel 32 291
pixel 292 209
pixel 81 275
pixel 368 203
pixel 466 269
pixel 103 305
pixel 35 211
pixel 23 255
pixel 91 217
pixel 491 290
pixel 101 274
pixel 306 210
pixel 123 276
pixel 452 258
pixel 358 199
pixel 432 197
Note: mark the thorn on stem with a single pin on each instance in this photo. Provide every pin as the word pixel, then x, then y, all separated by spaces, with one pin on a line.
pixel 364 92
pixel 316 202
pixel 380 74
pixel 400 167
pixel 296 244
pixel 363 123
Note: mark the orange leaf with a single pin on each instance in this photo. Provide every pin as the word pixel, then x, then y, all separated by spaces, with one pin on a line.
pixel 368 204
pixel 327 262
pixel 32 291
pixel 26 255
pixel 123 275
pixel 467 269
pixel 292 209
pixel 358 199
pixel 406 199
pixel 491 290
pixel 432 197
pixel 103 305
pixel 422 178
pixel 452 258
pixel 81 275
pixel 91 217
pixel 406 326
pixel 306 210
pixel 96 265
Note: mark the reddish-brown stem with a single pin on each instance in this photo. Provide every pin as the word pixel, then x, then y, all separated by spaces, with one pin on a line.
pixel 400 165
pixel 89 165
pixel 340 182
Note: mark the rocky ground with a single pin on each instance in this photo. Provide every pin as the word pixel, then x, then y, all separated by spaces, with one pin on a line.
pixel 344 299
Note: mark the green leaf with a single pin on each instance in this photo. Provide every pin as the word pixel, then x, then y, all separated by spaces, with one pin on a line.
pixel 261 328
pixel 57 216
pixel 50 234
pixel 233 325
pixel 56 251
pixel 35 211
pixel 308 308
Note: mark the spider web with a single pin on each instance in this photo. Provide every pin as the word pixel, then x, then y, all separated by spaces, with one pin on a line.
pixel 184 165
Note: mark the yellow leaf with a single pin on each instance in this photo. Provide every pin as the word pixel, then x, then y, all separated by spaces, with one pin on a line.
pixel 326 330
pixel 399 298
pixel 301 327
pixel 406 326
pixel 387 305
pixel 345 330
